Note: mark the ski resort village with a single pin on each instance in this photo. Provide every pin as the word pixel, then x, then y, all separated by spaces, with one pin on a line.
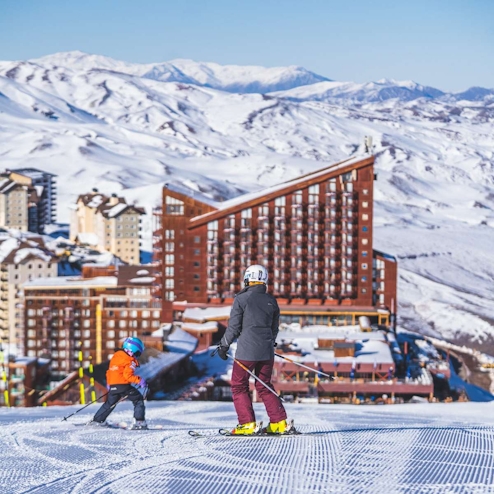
pixel 189 249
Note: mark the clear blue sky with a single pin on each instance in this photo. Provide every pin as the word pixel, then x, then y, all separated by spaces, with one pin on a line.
pixel 448 44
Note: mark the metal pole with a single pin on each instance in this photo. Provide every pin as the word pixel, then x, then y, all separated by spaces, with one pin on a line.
pixel 256 378
pixel 81 377
pixel 77 411
pixel 91 379
pixel 304 366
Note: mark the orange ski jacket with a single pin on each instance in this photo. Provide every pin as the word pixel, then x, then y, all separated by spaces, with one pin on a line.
pixel 121 370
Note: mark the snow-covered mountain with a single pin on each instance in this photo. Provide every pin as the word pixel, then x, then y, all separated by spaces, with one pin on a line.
pixel 122 127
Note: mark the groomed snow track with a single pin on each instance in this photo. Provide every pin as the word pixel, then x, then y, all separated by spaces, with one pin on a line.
pixel 346 449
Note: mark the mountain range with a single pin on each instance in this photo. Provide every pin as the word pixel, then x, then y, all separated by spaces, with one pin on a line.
pixel 224 130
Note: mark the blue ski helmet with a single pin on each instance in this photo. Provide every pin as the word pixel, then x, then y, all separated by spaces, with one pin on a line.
pixel 133 345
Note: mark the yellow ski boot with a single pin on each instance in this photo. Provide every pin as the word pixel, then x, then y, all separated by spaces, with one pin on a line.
pixel 281 427
pixel 246 429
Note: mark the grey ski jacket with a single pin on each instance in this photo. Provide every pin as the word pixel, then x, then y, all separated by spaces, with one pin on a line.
pixel 254 320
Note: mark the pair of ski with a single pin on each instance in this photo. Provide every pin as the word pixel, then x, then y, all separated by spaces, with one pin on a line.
pixel 260 432
pixel 124 426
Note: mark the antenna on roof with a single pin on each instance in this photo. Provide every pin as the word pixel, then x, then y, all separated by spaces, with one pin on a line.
pixel 368 144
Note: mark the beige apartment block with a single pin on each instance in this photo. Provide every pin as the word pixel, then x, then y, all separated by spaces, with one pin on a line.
pixel 21 260
pixel 108 224
pixel 18 205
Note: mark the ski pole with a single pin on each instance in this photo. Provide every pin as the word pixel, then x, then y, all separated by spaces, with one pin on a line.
pixel 77 411
pixel 256 378
pixel 304 366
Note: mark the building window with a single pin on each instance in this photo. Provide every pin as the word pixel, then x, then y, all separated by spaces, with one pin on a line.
pixel 365 192
pixel 169 271
pixel 110 324
pixel 365 241
pixel 365 204
pixel 169 283
pixel 365 217
pixel 196 276
pixel 197 252
pixel 197 264
pixel 169 234
pixel 110 344
pixel 169 296
pixel 122 324
pixel 146 314
pixel 365 229
pixel 364 290
pixel 364 253
pixel 174 207
pixel 169 246
pixel 364 265
pixel 197 289
pixel 197 240
pixel 364 279
pixel 156 314
pixel 169 259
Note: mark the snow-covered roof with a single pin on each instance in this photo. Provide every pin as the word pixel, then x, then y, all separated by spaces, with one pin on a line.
pixel 179 345
pixel 16 250
pixel 144 280
pixel 116 210
pixel 371 346
pixel 72 282
pixel 88 238
pixel 207 314
pixel 206 327
pixel 23 254
pixel 260 194
pixel 196 194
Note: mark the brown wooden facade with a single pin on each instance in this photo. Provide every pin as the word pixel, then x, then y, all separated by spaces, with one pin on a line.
pixel 314 234
pixel 63 320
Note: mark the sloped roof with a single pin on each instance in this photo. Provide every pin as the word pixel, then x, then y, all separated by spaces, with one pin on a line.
pixel 31 172
pixel 135 275
pixel 101 203
pixel 264 195
pixel 18 251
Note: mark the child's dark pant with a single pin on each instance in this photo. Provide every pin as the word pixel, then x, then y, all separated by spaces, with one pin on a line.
pixel 117 392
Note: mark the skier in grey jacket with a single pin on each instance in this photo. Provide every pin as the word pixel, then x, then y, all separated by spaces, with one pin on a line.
pixel 254 320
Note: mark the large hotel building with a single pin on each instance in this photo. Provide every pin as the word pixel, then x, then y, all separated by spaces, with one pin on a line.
pixel 313 233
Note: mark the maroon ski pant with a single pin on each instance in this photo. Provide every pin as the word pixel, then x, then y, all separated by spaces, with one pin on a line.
pixel 241 395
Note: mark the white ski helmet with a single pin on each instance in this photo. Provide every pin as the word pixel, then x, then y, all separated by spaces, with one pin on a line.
pixel 256 273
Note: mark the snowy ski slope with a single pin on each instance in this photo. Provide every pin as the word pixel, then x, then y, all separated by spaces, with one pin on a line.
pixel 441 448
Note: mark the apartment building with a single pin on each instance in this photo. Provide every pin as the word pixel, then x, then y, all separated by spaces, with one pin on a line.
pixel 313 233
pixel 66 315
pixel 21 260
pixel 18 205
pixel 45 185
pixel 108 224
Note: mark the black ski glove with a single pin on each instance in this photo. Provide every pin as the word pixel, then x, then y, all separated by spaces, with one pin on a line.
pixel 222 352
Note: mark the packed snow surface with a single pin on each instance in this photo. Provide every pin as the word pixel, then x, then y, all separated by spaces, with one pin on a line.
pixel 217 131
pixel 422 448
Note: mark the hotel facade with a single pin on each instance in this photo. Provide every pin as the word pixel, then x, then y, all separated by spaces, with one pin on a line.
pixel 314 234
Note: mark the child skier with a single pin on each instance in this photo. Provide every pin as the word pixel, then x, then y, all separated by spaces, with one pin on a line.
pixel 121 382
pixel 254 320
